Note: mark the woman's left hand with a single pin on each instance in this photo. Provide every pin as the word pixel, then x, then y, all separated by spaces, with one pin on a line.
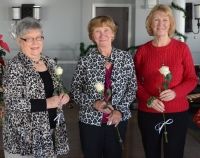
pixel 64 99
pixel 114 118
pixel 167 95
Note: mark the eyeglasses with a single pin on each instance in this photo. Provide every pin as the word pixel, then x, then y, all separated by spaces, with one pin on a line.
pixel 31 40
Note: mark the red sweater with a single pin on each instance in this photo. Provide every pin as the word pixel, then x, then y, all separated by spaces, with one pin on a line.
pixel 148 60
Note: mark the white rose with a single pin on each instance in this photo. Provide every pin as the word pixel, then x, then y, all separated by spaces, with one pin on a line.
pixel 99 86
pixel 164 70
pixel 59 70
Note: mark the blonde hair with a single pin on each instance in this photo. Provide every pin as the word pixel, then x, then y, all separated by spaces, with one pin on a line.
pixel 167 10
pixel 100 21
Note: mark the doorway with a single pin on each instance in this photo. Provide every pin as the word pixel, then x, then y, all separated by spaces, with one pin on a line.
pixel 121 13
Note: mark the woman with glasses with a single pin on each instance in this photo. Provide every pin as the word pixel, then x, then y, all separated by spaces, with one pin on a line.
pixel 30 128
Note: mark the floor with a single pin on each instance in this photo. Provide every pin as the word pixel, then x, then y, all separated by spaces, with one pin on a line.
pixel 133 147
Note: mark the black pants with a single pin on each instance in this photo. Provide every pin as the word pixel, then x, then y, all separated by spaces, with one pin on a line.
pixel 101 142
pixel 152 139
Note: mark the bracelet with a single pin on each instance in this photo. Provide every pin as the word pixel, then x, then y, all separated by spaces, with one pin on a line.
pixel 150 101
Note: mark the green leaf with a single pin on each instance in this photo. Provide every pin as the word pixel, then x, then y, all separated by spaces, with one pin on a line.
pixel 2 53
pixel 150 101
pixel 165 85
pixel 132 49
pixel 65 90
pixel 85 51
pixel 56 91
pixel 168 77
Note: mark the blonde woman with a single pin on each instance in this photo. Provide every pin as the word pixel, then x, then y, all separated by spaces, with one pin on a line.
pixel 155 99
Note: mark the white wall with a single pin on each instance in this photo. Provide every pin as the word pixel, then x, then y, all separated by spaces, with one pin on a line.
pixel 62 27
pixel 141 12
pixel 194 39
pixel 65 26
pixel 61 22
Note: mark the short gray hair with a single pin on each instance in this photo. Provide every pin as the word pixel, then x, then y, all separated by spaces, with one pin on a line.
pixel 26 24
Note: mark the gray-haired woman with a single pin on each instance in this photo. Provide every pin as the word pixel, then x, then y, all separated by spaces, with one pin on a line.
pixel 29 128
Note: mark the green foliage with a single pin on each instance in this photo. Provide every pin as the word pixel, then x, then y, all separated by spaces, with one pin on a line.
pixel 60 88
pixel 83 50
pixel 2 53
pixel 181 35
pixel 177 7
pixel 132 49
pixel 168 77
pixel 150 101
pixel 165 85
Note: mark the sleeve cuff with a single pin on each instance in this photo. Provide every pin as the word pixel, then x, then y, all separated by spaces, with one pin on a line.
pixel 38 105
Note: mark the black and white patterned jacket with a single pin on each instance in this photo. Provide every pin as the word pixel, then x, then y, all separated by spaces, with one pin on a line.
pixel 90 70
pixel 26 132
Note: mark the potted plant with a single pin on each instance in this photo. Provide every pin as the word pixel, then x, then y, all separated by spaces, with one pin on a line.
pixel 3 50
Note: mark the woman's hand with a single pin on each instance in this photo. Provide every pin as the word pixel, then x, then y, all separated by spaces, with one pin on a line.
pixel 53 102
pixel 167 95
pixel 101 105
pixel 114 118
pixel 158 105
pixel 64 99
pixel 57 101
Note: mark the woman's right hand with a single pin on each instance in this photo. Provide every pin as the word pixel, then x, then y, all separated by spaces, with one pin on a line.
pixel 100 105
pixel 54 101
pixel 158 105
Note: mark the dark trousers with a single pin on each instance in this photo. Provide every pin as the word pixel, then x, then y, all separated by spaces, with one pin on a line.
pixel 101 141
pixel 176 134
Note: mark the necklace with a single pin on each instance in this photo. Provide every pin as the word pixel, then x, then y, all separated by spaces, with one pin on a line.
pixel 108 62
pixel 108 59
pixel 37 62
